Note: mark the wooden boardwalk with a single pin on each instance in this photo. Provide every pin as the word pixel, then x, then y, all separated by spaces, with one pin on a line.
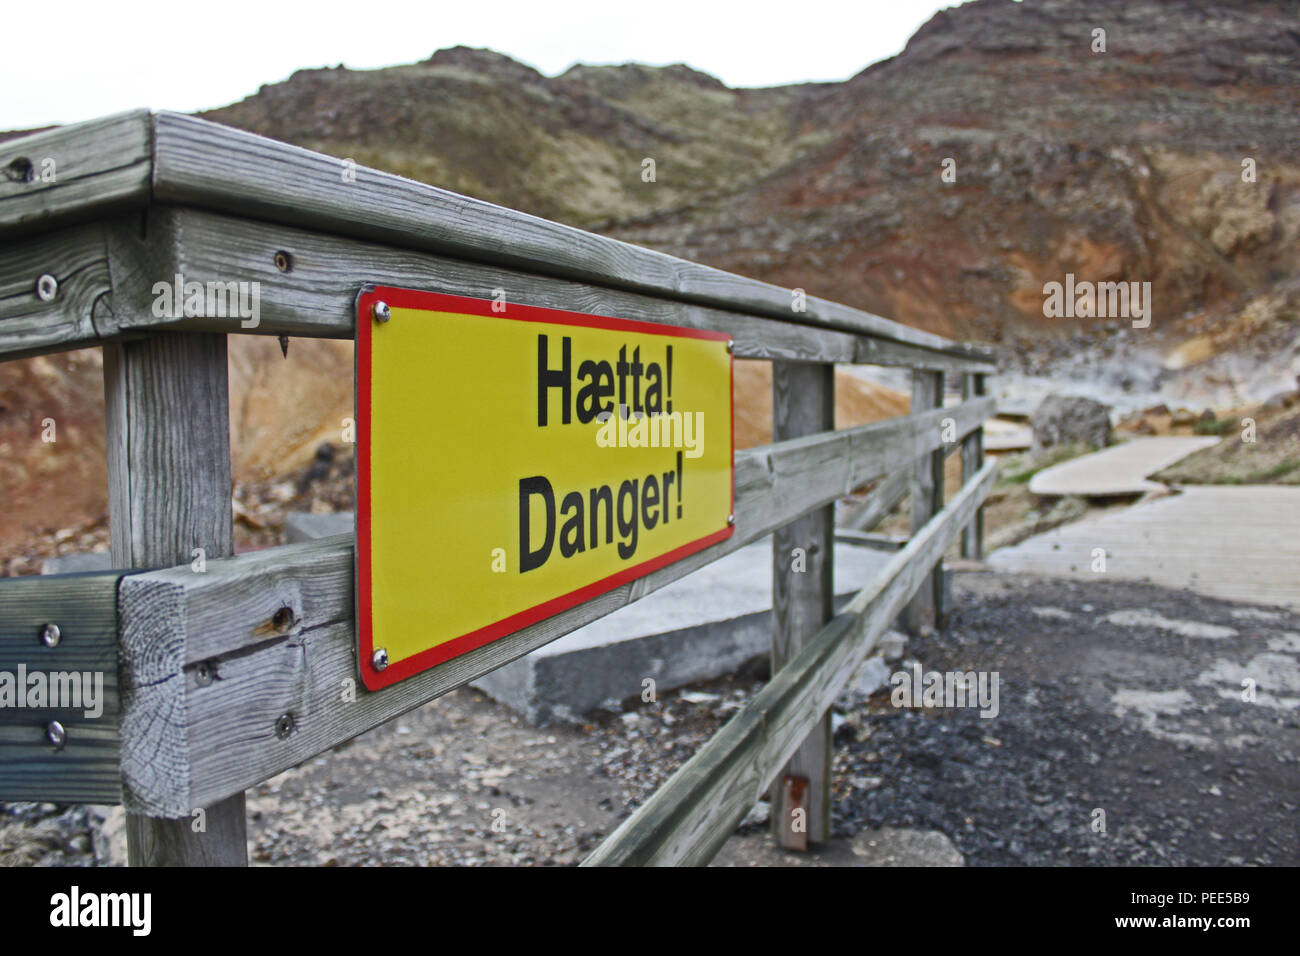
pixel 1118 470
pixel 1239 542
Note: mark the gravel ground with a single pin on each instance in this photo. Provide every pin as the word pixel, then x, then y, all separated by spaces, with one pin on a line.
pixel 1113 696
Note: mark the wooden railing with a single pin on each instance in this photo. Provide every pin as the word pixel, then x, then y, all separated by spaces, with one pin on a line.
pixel 217 681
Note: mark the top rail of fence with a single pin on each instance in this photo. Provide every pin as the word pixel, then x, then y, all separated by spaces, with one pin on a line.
pixel 113 166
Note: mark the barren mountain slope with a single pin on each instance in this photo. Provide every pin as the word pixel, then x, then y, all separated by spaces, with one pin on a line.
pixel 1118 165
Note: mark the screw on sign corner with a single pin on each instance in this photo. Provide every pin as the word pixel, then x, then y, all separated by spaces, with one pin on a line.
pixel 381 312
pixel 379 659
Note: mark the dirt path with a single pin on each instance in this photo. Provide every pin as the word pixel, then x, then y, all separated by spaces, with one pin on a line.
pixel 1114 696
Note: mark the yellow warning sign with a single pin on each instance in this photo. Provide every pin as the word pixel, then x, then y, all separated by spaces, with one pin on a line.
pixel 515 461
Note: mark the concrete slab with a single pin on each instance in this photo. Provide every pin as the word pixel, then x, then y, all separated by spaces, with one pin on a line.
pixel 706 625
pixel 1118 470
pixel 77 563
pixel 303 526
pixel 1239 542
pixel 1001 435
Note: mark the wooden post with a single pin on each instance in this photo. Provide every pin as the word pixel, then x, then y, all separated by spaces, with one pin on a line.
pixel 926 493
pixel 803 402
pixel 972 460
pixel 167 411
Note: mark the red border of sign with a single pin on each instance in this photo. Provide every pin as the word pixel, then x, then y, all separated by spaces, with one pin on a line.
pixel 436 301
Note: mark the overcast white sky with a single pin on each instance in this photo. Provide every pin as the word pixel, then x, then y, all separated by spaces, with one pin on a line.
pixel 94 58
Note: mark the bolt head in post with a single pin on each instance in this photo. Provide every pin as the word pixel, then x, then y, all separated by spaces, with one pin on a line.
pixel 51 635
pixel 379 659
pixel 381 312
pixel 56 734
pixel 284 725
pixel 47 287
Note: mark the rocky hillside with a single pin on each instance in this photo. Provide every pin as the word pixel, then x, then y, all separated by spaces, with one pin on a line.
pixel 568 148
pixel 1117 165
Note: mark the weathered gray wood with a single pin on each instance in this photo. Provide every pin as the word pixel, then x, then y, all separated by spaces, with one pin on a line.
pixel 206 165
pixel 803 403
pixel 317 297
pixel 692 815
pixel 212 166
pixel 100 167
pixel 880 501
pixel 877 350
pixel 972 460
pixel 301 661
pixel 84 608
pixel 926 494
pixel 77 257
pixel 863 539
pixel 167 411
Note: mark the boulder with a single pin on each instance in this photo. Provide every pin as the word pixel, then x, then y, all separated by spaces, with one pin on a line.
pixel 1066 419
pixel 1280 401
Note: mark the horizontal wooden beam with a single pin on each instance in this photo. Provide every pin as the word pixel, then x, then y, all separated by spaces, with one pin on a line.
pixel 263 636
pixel 84 609
pixel 317 295
pixel 72 313
pixel 75 173
pixel 880 500
pixel 692 815
pixel 209 165
pixel 192 162
pixel 866 539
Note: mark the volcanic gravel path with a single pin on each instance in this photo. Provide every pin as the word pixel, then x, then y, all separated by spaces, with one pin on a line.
pixel 1112 696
